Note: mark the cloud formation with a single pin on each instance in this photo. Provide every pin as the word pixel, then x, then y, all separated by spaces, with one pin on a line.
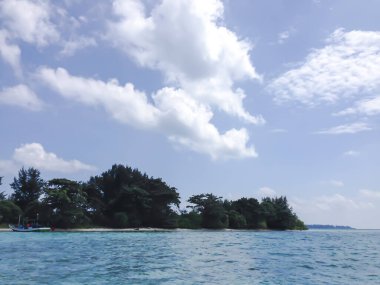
pixel 29 21
pixel 34 155
pixel 367 107
pixel 21 96
pixel 187 42
pixel 370 193
pixel 9 52
pixel 356 210
pixel 346 67
pixel 174 113
pixel 266 192
pixel 346 129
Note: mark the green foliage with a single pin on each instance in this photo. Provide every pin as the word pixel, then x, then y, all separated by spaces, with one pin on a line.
pixel 236 220
pixel 190 220
pixel 66 203
pixel 9 212
pixel 299 225
pixel 27 187
pixel 124 197
pixel 250 209
pixel 147 201
pixel 120 220
pixel 211 208
pixel 278 214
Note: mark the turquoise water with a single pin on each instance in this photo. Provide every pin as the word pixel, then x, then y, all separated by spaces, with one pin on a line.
pixel 191 257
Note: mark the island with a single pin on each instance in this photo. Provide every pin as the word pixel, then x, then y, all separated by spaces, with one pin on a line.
pixel 329 227
pixel 123 197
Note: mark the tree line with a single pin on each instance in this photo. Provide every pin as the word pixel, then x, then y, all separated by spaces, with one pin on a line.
pixel 123 197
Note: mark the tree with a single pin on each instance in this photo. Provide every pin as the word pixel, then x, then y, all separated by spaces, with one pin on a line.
pixel 211 209
pixel 66 202
pixel 122 192
pixel 249 208
pixel 278 214
pixel 236 220
pixel 9 212
pixel 2 194
pixel 27 187
pixel 190 220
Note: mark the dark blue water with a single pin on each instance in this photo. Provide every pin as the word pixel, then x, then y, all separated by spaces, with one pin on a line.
pixel 191 257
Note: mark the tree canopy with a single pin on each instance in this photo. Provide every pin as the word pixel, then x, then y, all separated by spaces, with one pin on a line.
pixel 27 187
pixel 124 197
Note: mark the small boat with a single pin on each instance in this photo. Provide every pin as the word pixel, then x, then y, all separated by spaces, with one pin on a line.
pixel 29 229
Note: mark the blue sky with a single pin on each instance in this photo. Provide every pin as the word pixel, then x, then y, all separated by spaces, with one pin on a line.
pixel 238 98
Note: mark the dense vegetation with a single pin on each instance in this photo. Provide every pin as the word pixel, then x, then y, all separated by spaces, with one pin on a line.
pixel 123 197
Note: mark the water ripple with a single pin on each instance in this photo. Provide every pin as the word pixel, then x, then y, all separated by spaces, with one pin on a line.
pixel 191 257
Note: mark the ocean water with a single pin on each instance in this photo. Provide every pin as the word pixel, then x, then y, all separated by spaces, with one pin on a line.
pixel 191 257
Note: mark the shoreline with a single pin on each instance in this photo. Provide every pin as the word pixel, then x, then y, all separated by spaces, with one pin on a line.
pixel 106 230
pixel 89 230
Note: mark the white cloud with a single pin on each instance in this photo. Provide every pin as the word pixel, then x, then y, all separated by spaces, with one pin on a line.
pixel 346 129
pixel 282 37
pixel 34 155
pixel 351 153
pixel 174 113
pixel 266 192
pixel 187 42
pixel 337 201
pixel 21 96
pixel 10 53
pixel 187 122
pixel 368 107
pixel 29 21
pixel 72 46
pixel 8 167
pixel 370 193
pixel 285 35
pixel 347 66
pixel 336 209
pixel 124 103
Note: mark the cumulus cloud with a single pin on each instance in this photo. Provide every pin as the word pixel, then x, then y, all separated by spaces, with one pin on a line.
pixel 9 52
pixel 266 192
pixel 123 103
pixel 34 155
pixel 346 67
pixel 346 129
pixel 29 21
pixel 187 42
pixel 21 96
pixel 180 117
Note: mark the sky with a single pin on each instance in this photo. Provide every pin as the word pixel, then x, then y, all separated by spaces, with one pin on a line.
pixel 239 98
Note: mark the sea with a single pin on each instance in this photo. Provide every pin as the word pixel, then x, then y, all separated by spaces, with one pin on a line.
pixel 191 257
